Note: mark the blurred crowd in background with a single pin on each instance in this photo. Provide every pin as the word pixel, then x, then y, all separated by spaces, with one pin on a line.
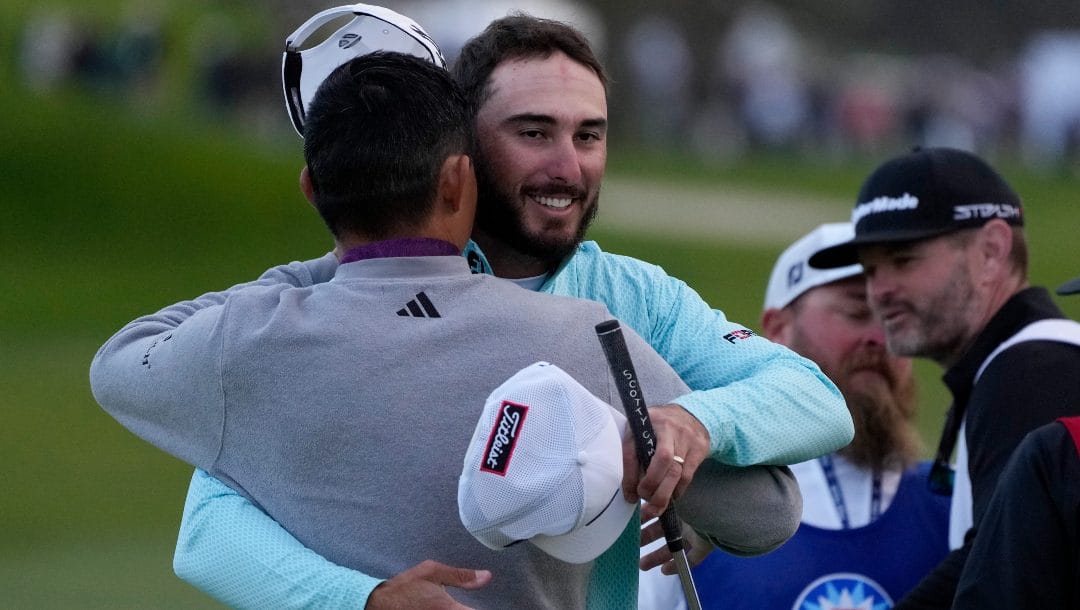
pixel 759 82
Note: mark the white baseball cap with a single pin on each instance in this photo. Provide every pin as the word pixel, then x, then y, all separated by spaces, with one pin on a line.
pixel 373 28
pixel 792 274
pixel 545 465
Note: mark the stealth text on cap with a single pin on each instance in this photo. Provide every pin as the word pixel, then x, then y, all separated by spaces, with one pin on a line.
pixel 985 210
pixel 503 438
pixel 884 204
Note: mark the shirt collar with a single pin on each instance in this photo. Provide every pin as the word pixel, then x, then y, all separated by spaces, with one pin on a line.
pixel 1023 308
pixel 408 246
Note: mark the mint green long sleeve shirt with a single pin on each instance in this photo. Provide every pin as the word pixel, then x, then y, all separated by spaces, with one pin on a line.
pixel 760 402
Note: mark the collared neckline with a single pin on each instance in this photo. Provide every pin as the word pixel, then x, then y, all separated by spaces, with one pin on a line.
pixel 404 247
pixel 1024 307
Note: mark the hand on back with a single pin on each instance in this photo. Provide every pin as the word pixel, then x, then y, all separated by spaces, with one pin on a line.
pixel 423 587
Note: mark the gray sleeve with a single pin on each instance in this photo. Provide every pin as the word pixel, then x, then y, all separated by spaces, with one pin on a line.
pixel 744 511
pixel 160 376
pixel 301 274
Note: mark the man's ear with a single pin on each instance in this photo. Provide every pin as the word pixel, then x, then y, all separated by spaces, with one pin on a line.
pixel 305 185
pixel 776 325
pixel 995 245
pixel 457 185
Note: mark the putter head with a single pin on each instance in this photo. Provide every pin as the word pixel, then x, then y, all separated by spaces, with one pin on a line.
pixel 372 28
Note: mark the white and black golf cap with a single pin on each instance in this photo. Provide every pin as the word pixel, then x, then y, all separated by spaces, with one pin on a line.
pixel 545 465
pixel 372 28
pixel 792 274
pixel 923 194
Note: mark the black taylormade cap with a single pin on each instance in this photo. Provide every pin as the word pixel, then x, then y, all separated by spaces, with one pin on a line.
pixel 1070 287
pixel 923 194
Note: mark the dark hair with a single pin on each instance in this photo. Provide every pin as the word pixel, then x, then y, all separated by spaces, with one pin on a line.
pixel 377 133
pixel 517 36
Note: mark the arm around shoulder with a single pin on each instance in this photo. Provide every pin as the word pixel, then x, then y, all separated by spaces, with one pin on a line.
pixel 761 402
pixel 234 552
pixel 742 510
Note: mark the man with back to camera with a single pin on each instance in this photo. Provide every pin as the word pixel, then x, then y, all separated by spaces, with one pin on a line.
pixel 940 236
pixel 759 402
pixel 871 528
pixel 338 414
pixel 1028 551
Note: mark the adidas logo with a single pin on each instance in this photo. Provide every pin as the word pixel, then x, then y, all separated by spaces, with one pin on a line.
pixel 420 307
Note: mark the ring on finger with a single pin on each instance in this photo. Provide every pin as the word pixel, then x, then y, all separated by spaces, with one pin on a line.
pixel 678 460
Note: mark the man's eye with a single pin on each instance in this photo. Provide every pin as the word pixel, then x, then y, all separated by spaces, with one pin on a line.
pixel 532 133
pixel 861 314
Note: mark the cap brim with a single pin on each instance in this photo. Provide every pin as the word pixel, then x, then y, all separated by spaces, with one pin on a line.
pixel 1070 287
pixel 847 253
pixel 371 28
pixel 589 541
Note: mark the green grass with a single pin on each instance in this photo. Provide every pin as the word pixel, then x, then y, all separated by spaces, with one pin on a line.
pixel 105 219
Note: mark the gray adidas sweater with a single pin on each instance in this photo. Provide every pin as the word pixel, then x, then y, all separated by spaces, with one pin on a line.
pixel 347 421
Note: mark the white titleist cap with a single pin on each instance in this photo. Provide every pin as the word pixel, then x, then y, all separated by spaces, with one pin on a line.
pixel 545 465
pixel 373 28
pixel 792 274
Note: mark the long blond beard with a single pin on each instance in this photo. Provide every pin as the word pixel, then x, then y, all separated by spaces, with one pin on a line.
pixel 883 414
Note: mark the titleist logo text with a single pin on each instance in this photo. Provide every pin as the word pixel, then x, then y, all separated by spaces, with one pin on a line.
pixel 503 438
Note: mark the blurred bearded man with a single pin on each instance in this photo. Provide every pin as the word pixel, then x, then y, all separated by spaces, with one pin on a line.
pixel 871 528
pixel 833 326
pixel 940 235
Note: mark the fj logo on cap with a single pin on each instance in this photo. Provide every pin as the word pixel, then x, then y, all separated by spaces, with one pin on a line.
pixel 794 274
pixel 884 204
pixel 503 438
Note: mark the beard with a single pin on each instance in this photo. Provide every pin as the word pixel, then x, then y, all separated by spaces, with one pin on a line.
pixel 883 413
pixel 500 214
pixel 938 331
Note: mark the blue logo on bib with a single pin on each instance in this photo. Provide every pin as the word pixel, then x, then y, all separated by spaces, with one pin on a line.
pixel 843 592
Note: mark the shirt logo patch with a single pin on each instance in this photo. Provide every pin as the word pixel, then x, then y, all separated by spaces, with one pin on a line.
pixel 420 307
pixel 738 335
pixel 503 438
pixel 843 591
pixel 476 263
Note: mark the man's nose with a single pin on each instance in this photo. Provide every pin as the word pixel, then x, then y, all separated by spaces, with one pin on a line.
pixel 879 289
pixel 564 162
pixel 874 334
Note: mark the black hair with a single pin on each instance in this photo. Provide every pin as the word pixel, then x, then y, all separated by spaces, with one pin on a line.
pixel 378 131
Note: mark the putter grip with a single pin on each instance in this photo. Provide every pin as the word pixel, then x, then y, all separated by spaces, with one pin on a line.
pixel 626 380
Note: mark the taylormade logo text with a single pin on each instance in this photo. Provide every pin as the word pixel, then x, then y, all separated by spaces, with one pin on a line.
pixel 503 438
pixel 884 204
pixel 985 210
